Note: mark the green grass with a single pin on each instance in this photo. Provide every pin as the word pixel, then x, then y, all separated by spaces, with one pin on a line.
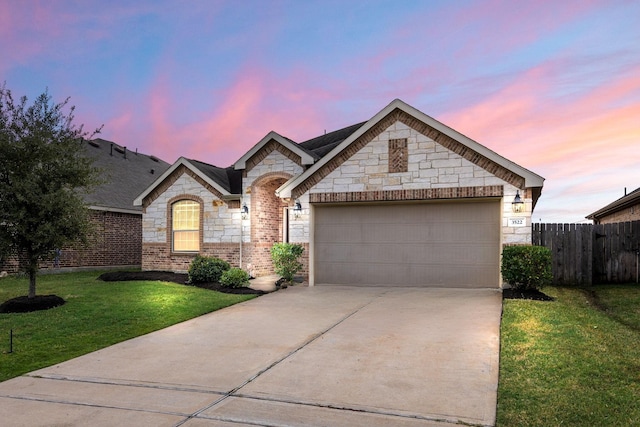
pixel 97 314
pixel 571 362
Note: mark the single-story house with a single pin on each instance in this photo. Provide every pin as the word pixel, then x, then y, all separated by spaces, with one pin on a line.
pixel 400 199
pixel 116 241
pixel 626 208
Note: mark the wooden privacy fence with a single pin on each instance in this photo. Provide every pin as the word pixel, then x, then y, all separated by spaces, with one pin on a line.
pixel 585 254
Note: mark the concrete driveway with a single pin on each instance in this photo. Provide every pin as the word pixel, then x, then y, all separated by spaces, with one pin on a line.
pixel 319 356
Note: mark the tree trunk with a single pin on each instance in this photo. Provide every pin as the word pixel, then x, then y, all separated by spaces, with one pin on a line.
pixel 32 270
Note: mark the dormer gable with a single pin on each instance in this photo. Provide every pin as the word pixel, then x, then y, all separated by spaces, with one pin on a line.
pixel 274 141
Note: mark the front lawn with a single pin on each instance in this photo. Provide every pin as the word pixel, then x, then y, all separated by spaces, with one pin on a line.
pixel 571 362
pixel 97 314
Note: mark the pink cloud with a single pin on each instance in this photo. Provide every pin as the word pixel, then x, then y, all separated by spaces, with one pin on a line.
pixel 572 140
pixel 255 103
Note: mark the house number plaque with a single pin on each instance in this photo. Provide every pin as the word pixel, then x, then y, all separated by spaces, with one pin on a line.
pixel 517 222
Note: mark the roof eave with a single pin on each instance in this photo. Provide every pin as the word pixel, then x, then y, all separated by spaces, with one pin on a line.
pixel 182 161
pixel 117 210
pixel 616 206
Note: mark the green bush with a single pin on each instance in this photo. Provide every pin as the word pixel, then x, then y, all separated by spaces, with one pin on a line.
pixel 526 267
pixel 207 269
pixel 285 259
pixel 235 278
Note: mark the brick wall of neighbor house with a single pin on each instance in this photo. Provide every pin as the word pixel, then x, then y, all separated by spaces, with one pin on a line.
pixel 631 213
pixel 116 241
pixel 430 166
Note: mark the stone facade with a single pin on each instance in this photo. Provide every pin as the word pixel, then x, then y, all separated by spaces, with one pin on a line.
pixel 220 223
pixel 397 158
pixel 220 229
pixel 430 166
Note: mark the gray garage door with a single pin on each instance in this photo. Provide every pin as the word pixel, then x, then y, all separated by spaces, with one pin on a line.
pixel 428 244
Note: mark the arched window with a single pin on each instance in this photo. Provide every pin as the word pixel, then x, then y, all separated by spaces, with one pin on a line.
pixel 186 226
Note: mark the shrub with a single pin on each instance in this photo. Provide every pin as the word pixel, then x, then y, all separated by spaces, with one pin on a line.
pixel 526 267
pixel 234 278
pixel 285 259
pixel 207 269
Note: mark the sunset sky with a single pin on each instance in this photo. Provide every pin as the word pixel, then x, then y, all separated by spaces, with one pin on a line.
pixel 551 85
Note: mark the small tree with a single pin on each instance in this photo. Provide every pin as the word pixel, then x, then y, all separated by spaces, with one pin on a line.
pixel 285 257
pixel 43 177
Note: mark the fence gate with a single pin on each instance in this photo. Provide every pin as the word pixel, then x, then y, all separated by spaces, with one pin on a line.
pixel 583 254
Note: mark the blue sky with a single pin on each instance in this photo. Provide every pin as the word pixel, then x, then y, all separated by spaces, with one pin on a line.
pixel 552 85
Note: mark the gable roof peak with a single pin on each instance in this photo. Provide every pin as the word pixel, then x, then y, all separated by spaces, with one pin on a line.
pixel 530 179
pixel 306 157
pixel 212 175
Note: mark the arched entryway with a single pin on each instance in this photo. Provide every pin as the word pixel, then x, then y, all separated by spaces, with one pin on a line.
pixel 269 220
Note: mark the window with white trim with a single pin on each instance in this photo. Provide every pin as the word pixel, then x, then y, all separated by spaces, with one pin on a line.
pixel 186 226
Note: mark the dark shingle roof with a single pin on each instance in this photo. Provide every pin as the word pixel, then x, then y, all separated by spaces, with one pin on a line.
pixel 127 174
pixel 228 178
pixel 322 144
pixel 622 203
pixel 231 179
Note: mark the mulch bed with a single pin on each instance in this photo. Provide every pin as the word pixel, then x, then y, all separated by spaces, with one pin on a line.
pixel 25 304
pixel 168 276
pixel 531 294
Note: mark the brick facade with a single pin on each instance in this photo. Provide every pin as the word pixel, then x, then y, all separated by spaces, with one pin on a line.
pixel 629 213
pixel 403 195
pixel 158 256
pixel 116 241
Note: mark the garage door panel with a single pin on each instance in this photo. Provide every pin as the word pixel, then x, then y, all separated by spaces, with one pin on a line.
pixel 402 253
pixel 340 233
pixel 431 244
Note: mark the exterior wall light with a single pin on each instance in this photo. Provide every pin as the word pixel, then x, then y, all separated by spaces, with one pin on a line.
pixel 245 211
pixel 297 209
pixel 517 205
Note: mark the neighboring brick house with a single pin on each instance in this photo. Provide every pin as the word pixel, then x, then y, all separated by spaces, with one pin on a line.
pixel 400 199
pixel 116 241
pixel 626 208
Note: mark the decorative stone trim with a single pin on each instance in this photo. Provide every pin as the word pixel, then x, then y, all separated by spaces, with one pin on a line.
pixel 417 194
pixel 398 155
pixel 442 139
pixel 233 204
pixel 269 176
pixel 266 150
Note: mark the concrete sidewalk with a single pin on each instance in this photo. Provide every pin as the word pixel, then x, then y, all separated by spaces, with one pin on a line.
pixel 319 356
